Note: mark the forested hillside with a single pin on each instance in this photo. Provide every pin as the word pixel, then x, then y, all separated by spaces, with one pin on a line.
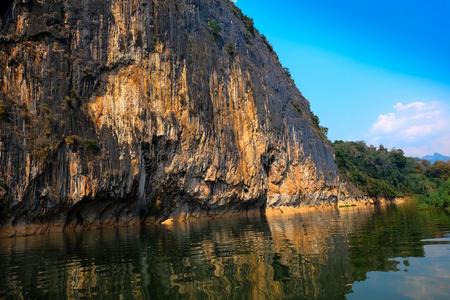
pixel 379 172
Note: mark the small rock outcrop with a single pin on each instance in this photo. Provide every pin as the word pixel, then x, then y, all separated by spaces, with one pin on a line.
pixel 117 109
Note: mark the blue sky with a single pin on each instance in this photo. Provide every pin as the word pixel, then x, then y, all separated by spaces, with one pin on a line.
pixel 377 71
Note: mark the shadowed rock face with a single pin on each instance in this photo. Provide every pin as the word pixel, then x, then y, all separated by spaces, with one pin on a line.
pixel 150 108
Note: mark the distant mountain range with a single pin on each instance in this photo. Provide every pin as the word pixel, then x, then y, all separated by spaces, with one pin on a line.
pixel 436 157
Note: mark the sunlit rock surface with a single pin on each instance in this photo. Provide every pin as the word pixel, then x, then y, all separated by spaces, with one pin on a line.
pixel 112 110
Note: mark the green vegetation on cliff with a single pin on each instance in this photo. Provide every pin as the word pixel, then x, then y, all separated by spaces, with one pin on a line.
pixel 3 184
pixel 378 172
pixel 439 198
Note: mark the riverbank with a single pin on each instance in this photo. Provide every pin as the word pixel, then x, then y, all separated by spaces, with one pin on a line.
pixel 55 227
pixel 342 205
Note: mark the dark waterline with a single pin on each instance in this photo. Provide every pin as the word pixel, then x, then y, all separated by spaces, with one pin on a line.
pixel 391 253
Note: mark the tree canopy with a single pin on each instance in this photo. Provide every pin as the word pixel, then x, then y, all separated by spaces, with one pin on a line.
pixel 379 172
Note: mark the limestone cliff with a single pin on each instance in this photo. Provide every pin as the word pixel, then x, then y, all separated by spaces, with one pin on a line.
pixel 117 109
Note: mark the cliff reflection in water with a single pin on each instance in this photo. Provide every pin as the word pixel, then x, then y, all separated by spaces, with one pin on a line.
pixel 317 255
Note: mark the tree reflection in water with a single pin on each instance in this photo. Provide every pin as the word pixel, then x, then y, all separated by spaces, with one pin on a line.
pixel 315 255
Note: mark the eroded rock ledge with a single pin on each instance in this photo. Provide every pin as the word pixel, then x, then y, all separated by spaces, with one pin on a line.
pixel 149 109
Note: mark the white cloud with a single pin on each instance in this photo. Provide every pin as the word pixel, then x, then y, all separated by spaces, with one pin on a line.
pixel 418 127
pixel 414 105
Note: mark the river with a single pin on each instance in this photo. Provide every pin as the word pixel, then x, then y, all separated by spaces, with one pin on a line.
pixel 354 253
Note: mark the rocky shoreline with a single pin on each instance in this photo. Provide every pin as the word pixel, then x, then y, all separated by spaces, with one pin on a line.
pixel 10 231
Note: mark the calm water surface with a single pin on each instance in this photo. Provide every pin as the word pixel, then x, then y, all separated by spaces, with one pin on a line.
pixel 392 253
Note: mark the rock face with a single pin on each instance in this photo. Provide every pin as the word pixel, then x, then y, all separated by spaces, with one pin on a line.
pixel 118 109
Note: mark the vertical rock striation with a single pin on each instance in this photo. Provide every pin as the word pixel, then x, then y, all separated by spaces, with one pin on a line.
pixel 118 109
